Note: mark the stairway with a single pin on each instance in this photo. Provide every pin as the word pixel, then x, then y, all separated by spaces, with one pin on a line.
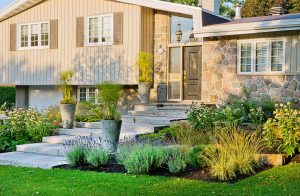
pixel 51 152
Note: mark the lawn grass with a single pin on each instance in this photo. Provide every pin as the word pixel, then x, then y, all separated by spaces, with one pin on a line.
pixel 24 181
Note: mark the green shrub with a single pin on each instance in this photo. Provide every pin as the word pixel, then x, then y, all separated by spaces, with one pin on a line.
pixel 24 126
pixel 185 135
pixel 283 132
pixel 77 156
pixel 8 95
pixel 177 160
pixel 88 112
pixel 53 115
pixel 97 157
pixel 203 117
pixel 233 153
pixel 143 158
pixel 195 156
pixel 138 160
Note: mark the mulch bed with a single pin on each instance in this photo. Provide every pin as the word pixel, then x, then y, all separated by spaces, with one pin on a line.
pixel 189 173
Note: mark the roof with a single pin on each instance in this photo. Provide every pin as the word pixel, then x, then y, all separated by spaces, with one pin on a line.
pixel 253 25
pixel 196 12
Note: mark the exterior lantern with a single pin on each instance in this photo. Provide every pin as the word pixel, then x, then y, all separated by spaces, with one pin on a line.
pixel 192 36
pixel 179 33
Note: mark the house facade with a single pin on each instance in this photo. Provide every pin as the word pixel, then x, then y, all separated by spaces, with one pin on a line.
pixel 196 52
pixel 261 54
pixel 99 40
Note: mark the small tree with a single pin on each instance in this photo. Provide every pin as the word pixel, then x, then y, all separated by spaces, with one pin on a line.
pixel 145 66
pixel 66 87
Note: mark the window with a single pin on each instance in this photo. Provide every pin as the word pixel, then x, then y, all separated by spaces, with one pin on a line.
pixel 34 35
pixel 261 56
pixel 186 26
pixel 99 30
pixel 87 94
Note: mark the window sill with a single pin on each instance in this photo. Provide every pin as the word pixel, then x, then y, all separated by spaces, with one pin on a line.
pixel 37 48
pixel 98 44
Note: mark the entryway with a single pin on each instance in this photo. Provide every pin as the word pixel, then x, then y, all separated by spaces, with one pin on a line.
pixel 185 73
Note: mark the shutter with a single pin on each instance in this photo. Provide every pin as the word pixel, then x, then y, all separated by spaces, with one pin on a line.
pixel 53 34
pixel 80 32
pixel 13 37
pixel 118 28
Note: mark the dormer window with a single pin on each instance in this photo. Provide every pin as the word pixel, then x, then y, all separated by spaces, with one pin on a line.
pixel 33 35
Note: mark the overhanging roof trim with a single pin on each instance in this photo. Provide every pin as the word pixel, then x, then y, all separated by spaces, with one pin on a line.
pixel 248 28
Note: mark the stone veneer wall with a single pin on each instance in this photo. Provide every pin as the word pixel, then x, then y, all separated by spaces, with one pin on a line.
pixel 161 39
pixel 220 74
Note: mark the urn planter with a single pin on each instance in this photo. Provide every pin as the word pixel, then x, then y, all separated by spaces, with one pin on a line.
pixel 67 114
pixel 111 130
pixel 144 92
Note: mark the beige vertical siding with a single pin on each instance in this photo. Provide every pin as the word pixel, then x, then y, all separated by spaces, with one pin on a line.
pixel 292 47
pixel 93 65
pixel 147 29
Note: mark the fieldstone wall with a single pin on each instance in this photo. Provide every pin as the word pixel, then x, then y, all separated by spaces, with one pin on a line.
pixel 161 39
pixel 220 75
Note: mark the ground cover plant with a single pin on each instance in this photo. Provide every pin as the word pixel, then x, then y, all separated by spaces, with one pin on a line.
pixel 22 127
pixel 277 181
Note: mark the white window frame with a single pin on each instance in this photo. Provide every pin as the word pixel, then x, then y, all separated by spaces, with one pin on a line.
pixel 253 56
pixel 86 30
pixel 87 92
pixel 29 47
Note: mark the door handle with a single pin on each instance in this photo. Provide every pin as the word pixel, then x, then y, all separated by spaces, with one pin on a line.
pixel 184 76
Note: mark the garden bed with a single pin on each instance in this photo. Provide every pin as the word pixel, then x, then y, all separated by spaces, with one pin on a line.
pixel 202 174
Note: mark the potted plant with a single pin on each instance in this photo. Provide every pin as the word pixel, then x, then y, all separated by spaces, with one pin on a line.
pixel 68 103
pixel 111 122
pixel 145 79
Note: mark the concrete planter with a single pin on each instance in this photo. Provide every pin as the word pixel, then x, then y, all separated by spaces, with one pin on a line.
pixel 111 130
pixel 144 92
pixel 162 92
pixel 272 159
pixel 67 114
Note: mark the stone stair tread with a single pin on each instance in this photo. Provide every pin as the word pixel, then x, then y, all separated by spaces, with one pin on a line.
pixel 43 148
pixel 34 160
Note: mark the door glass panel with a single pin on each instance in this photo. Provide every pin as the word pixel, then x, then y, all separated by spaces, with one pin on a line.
pixel 174 84
pixel 175 60
pixel 193 68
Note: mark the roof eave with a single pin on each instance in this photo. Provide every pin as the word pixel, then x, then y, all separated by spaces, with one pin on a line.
pixel 249 28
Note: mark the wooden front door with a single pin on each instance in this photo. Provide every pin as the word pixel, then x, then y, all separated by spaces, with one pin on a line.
pixel 192 73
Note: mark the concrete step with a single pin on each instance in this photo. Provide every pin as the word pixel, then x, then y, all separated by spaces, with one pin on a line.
pixel 59 139
pixel 155 120
pixel 160 113
pixel 162 106
pixel 43 148
pixel 33 160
